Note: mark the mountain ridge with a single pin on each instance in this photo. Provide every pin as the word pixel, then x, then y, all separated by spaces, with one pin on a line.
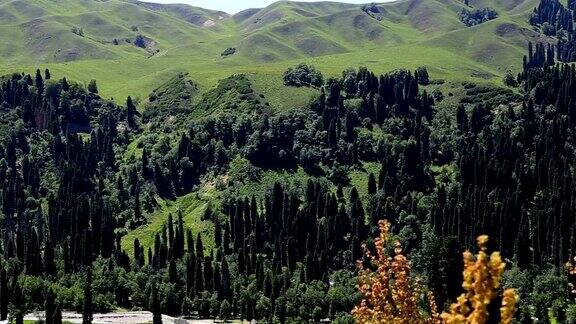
pixel 83 37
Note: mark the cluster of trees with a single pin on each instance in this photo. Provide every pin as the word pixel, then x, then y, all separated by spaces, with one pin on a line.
pixel 67 199
pixel 373 11
pixel 303 75
pixel 515 170
pixel 539 57
pixel 57 216
pixel 140 41
pixel 270 261
pixel 324 135
pixel 40 103
pixel 556 19
pixel 477 16
pixel 229 51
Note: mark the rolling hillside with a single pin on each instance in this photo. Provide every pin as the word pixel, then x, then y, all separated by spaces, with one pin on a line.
pixel 98 39
pixel 209 189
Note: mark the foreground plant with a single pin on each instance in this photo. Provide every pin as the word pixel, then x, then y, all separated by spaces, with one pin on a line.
pixel 482 276
pixel 390 295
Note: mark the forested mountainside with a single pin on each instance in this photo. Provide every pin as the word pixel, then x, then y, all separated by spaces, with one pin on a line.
pixel 237 201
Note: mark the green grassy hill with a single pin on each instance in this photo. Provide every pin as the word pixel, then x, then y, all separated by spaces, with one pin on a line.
pixel 87 39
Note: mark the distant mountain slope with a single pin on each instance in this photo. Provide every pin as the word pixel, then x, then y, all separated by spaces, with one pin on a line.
pixel 194 15
pixel 287 12
pixel 72 30
pixel 288 30
pixel 90 38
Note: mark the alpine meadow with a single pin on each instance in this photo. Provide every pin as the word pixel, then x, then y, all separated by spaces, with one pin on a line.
pixel 404 162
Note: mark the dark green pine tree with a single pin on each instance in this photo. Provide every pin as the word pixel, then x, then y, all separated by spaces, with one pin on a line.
pixel 372 187
pixel 146 172
pixel 225 285
pixel 172 272
pixel 49 306
pixel 65 85
pixel 189 241
pixel 49 264
pixel 39 83
pixel 155 305
pixel 138 219
pixel 17 303
pixel 190 259
pixel 3 295
pixel 199 276
pixel 93 87
pixel 137 251
pixel 199 247
pixel 179 239
pixel 130 113
pixel 171 235
pixel 217 234
pixel 87 312
pixel 171 306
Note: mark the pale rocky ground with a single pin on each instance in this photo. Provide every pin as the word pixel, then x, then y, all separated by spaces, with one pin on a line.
pixel 120 317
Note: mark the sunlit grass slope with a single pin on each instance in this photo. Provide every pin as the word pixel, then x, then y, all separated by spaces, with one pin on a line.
pixel 332 36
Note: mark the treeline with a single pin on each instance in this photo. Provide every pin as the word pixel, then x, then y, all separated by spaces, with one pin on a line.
pixel 270 261
pixel 68 198
pixel 515 171
pixel 539 57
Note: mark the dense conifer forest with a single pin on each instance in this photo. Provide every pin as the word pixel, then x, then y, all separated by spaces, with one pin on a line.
pixel 80 173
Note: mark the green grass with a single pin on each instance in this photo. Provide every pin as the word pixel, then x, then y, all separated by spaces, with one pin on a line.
pixel 192 207
pixel 278 95
pixel 359 178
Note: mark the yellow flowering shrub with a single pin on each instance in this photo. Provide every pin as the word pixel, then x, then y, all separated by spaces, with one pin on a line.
pixel 390 295
pixel 482 276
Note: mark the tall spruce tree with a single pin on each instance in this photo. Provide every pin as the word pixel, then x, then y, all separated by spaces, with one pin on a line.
pixel 18 303
pixel 49 306
pixel 154 305
pixel 130 113
pixel 57 317
pixel 4 297
pixel 87 311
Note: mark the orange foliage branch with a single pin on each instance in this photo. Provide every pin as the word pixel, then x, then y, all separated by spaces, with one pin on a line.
pixel 390 295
